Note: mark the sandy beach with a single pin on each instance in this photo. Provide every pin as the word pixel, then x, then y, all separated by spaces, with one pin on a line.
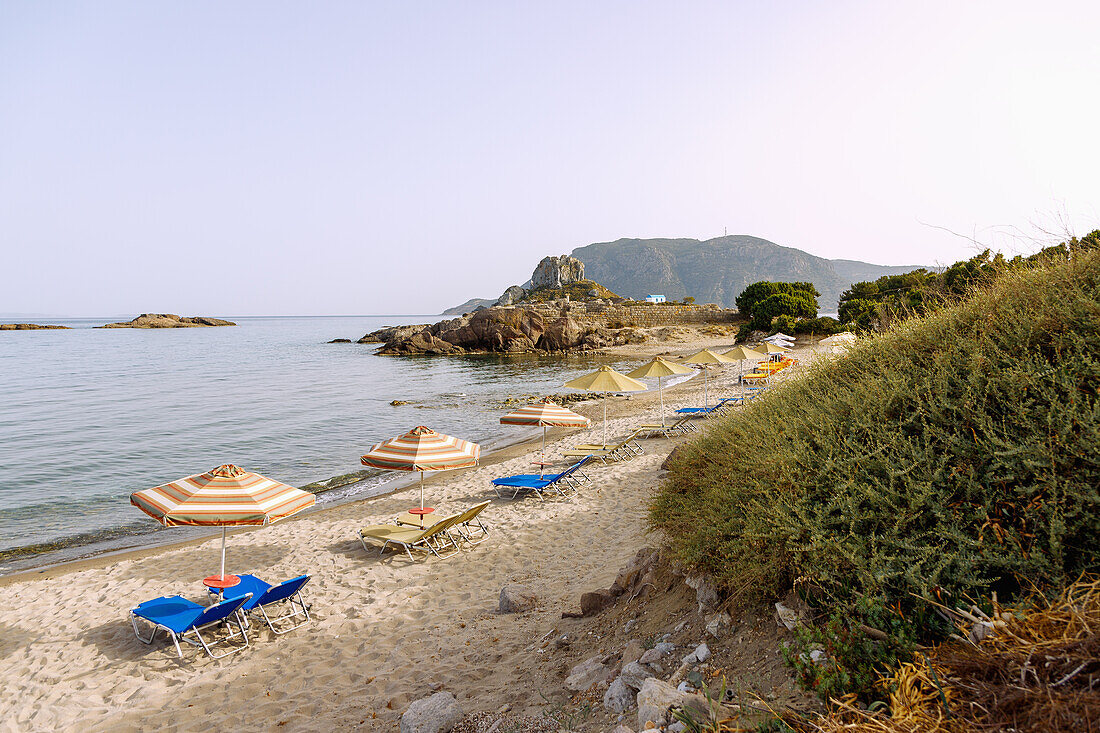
pixel 386 631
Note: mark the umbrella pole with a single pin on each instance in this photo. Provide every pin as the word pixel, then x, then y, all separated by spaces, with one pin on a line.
pixel 605 419
pixel 661 393
pixel 223 552
pixel 706 400
pixel 422 494
pixel 542 458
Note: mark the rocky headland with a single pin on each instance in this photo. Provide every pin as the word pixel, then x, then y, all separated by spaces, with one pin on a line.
pixel 560 311
pixel 26 327
pixel 169 320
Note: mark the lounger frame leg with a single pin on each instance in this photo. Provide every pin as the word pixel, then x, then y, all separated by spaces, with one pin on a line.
pixel 292 613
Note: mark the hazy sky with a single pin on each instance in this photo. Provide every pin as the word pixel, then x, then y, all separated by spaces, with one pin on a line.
pixel 321 158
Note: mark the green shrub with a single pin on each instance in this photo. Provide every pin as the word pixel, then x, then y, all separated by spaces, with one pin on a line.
pixel 822 326
pixel 956 455
pixel 744 332
pixel 782 304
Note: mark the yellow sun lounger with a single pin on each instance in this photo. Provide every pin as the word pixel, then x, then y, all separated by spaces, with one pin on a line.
pixel 468 524
pixel 434 538
pixel 684 426
pixel 625 449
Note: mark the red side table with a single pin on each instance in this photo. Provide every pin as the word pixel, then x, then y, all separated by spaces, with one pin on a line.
pixel 218 583
pixel 420 512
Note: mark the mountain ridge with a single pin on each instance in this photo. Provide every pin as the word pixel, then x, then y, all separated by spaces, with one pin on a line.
pixel 713 270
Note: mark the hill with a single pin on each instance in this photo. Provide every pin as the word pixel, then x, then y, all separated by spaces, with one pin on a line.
pixel 717 270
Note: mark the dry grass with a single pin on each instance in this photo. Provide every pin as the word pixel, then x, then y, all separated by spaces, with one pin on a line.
pixel 1036 669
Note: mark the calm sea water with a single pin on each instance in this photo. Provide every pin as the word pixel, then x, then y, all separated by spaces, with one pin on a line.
pixel 88 416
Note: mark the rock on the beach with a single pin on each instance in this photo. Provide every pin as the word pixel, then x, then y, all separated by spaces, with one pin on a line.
pixel 635 674
pixel 589 672
pixel 785 616
pixel 595 601
pixel 436 714
pixel 702 653
pixel 631 575
pixel 622 729
pixel 619 697
pixel 340 341
pixel 706 594
pixel 656 700
pixel 718 624
pixel 633 651
pixel 657 653
pixel 517 599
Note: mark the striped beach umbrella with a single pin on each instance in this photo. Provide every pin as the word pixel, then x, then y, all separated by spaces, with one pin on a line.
pixel 545 413
pixel 422 449
pixel 227 496
pixel 606 379
pixel 658 367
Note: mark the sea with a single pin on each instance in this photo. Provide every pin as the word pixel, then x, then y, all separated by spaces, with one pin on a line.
pixel 88 416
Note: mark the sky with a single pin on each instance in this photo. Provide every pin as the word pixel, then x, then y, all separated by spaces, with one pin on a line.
pixel 277 158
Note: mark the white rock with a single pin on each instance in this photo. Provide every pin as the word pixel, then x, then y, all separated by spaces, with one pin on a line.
pixel 634 675
pixel 436 714
pixel 786 617
pixel 702 652
pixel 676 727
pixel 621 729
pixel 588 673
pixel 718 624
pixel 619 697
pixel 516 599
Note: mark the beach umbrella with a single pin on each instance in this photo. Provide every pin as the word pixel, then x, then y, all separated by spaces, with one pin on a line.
pixel 227 496
pixel 659 368
pixel 705 357
pixel 780 335
pixel 606 379
pixel 740 353
pixel 545 413
pixel 422 449
pixel 769 348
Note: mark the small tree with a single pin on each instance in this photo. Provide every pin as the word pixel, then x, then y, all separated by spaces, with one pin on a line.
pixel 782 304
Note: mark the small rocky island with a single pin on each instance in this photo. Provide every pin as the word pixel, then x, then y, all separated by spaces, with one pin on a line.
pixel 26 327
pixel 169 320
pixel 560 311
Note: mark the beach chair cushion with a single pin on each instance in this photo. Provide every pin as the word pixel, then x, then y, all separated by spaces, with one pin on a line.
pixel 175 613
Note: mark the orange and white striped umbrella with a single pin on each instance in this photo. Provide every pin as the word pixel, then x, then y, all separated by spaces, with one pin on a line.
pixel 422 449
pixel 545 413
pixel 227 496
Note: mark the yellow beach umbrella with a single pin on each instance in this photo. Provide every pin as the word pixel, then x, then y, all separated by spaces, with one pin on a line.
pixel 606 379
pixel 705 357
pixel 740 353
pixel 772 348
pixel 659 368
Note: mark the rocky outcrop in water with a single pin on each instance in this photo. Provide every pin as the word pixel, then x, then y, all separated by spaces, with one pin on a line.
pixel 26 327
pixel 169 320
pixel 500 330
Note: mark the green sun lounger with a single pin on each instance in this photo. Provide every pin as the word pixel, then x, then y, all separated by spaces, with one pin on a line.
pixel 468 525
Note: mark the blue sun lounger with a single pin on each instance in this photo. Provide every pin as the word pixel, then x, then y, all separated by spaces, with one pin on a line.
pixel 536 483
pixel 179 617
pixel 264 594
pixel 704 411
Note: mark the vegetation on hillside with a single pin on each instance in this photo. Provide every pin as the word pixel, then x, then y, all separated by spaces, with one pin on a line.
pixel 580 290
pixel 764 301
pixel 880 303
pixel 956 456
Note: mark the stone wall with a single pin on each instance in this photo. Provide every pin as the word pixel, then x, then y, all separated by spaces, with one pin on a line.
pixel 641 316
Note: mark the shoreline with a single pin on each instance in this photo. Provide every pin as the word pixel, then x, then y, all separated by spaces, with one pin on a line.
pixel 89 556
pixel 385 630
pixel 135 537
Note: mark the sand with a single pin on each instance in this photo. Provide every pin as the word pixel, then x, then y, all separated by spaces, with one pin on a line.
pixel 386 631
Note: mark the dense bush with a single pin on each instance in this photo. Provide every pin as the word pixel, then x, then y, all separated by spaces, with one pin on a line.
pixel 953 456
pixel 750 300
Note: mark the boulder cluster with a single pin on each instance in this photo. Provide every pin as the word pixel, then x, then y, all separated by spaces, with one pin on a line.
pixel 500 330
pixel 169 320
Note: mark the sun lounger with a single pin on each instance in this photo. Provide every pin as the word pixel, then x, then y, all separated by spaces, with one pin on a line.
pixel 468 525
pixel 568 480
pixel 683 426
pixel 628 448
pixel 697 411
pixel 264 595
pixel 435 538
pixel 179 618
